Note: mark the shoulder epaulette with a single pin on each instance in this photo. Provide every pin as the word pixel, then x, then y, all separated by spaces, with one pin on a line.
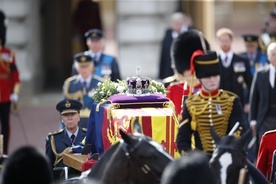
pixel 195 95
pixel 55 132
pixel 270 131
pixel 169 79
pixel 229 92
pixel 71 78
pixel 101 79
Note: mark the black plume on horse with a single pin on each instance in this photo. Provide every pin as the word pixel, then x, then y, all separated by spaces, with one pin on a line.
pixel 229 161
pixel 135 159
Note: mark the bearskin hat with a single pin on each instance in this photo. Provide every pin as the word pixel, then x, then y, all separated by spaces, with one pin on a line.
pixel 2 28
pixel 183 47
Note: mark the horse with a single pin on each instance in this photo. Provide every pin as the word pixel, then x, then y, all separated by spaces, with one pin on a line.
pixel 77 180
pixel 136 158
pixel 192 167
pixel 229 161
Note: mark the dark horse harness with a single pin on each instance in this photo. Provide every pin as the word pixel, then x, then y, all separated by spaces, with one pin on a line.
pixel 244 170
pixel 129 154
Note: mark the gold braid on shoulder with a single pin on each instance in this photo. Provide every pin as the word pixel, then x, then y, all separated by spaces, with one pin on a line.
pixel 58 155
pixel 194 112
pixel 77 95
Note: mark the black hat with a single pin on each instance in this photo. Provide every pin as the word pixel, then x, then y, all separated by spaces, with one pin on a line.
pixel 94 34
pixel 83 59
pixel 2 28
pixel 206 65
pixel 183 47
pixel 68 106
pixel 249 38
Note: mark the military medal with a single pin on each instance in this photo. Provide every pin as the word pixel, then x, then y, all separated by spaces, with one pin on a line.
pixel 240 79
pixel 239 67
pixel 218 108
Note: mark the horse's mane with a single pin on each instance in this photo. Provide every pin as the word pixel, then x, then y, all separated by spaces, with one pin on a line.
pixel 106 157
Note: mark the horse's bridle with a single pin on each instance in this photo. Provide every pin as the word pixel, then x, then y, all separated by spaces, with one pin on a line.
pixel 144 167
pixel 244 170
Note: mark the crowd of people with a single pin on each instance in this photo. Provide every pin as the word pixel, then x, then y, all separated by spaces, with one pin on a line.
pixel 231 92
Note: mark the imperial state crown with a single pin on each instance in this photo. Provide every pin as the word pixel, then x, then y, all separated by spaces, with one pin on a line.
pixel 137 85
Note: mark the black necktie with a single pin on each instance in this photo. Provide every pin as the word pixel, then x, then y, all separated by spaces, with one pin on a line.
pixel 251 60
pixel 84 84
pixel 72 138
pixel 225 60
pixel 94 59
pixel 84 88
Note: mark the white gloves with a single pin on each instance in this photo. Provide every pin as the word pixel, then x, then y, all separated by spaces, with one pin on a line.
pixel 14 97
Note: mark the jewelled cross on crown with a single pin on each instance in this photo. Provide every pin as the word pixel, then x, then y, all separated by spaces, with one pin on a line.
pixel 138 70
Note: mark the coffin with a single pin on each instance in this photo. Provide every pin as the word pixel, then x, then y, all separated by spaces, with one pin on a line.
pixel 155 112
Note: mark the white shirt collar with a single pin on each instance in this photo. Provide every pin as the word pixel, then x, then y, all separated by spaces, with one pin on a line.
pixel 75 133
pixel 87 80
pixel 174 34
pixel 229 56
pixel 97 55
pixel 271 75
pixel 184 28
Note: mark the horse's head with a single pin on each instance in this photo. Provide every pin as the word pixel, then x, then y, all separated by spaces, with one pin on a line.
pixel 228 157
pixel 146 155
pixel 192 167
pixel 136 158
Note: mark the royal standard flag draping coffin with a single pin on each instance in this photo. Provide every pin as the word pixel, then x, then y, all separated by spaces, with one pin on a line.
pixel 155 112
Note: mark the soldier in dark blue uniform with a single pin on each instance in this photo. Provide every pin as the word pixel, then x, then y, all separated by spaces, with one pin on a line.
pixel 256 57
pixel 59 142
pixel 269 35
pixel 82 86
pixel 106 66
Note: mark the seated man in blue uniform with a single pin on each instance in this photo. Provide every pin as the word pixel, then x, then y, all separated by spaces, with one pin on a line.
pixel 82 86
pixel 59 142
pixel 106 66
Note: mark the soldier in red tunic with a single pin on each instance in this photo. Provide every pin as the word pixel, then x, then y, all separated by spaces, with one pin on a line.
pixel 265 153
pixel 182 49
pixel 9 84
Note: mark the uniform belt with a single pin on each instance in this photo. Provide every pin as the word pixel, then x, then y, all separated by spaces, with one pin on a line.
pixel 85 113
pixel 4 76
